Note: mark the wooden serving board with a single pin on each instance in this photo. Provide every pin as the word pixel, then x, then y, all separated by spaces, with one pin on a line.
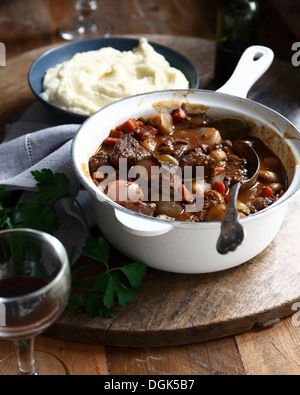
pixel 173 309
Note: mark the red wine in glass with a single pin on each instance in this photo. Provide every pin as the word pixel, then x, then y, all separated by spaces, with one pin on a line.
pixel 19 286
pixel 35 284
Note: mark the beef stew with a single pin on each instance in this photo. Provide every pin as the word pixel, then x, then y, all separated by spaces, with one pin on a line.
pixel 177 141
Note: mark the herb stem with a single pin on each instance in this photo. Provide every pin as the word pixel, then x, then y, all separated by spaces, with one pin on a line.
pixel 84 218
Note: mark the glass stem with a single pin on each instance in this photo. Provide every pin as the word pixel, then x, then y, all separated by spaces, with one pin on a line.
pixel 86 8
pixel 25 354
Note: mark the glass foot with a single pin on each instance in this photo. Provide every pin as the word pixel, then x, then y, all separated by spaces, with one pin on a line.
pixel 74 29
pixel 46 365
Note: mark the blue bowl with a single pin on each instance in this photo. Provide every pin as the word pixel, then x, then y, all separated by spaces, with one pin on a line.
pixel 65 52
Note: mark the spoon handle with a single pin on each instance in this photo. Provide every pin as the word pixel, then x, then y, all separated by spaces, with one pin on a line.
pixel 232 233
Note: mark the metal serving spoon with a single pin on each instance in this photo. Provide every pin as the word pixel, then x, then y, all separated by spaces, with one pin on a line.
pixel 232 232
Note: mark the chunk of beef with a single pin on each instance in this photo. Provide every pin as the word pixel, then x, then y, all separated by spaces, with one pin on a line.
pixel 197 157
pixel 175 147
pixel 212 199
pixel 235 169
pixel 143 153
pixel 100 159
pixel 128 148
pixel 141 207
pixel 261 203
pixel 194 121
pixel 145 133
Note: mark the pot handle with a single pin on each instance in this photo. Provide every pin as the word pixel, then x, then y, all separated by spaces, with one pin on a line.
pixel 139 226
pixel 255 61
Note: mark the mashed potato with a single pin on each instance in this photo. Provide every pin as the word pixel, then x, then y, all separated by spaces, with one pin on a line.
pixel 92 80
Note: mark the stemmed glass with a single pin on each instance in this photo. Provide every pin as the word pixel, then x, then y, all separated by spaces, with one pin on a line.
pixel 85 26
pixel 35 284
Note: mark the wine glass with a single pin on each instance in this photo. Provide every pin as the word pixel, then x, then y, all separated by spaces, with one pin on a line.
pixel 85 26
pixel 35 284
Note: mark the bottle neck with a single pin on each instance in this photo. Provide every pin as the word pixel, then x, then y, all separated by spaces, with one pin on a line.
pixel 238 24
pixel 240 7
pixel 238 29
pixel 240 2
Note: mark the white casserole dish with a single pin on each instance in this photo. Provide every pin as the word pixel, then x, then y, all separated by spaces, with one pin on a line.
pixel 190 248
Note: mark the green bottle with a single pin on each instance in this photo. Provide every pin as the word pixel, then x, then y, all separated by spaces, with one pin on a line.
pixel 238 29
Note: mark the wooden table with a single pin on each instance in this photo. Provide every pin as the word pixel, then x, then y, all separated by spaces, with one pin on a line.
pixel 271 351
pixel 29 24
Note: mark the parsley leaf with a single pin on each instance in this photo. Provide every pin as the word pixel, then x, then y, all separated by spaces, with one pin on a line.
pixel 116 289
pixel 4 212
pixel 75 303
pixel 115 285
pixel 97 249
pixel 51 187
pixel 135 273
pixel 38 216
pixel 4 195
pixel 100 283
pixel 41 214
pixel 95 307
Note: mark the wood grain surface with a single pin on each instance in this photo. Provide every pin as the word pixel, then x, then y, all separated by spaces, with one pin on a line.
pixel 272 351
pixel 28 24
pixel 174 309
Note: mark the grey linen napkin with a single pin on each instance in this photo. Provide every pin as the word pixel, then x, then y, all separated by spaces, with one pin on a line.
pixel 36 142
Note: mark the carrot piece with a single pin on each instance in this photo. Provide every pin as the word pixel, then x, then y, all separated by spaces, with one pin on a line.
pixel 267 192
pixel 131 125
pixel 178 115
pixel 116 134
pixel 111 141
pixel 220 187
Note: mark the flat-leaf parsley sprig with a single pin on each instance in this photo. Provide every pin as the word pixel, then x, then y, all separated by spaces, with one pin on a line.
pixel 41 213
pixel 111 285
pixel 108 287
